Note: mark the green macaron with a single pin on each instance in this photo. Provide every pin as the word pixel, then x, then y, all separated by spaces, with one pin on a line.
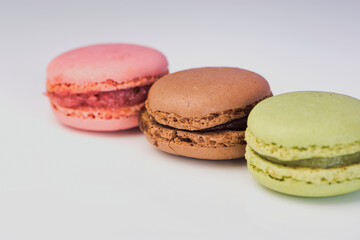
pixel 305 143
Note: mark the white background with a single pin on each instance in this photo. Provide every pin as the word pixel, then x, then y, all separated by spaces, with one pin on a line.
pixel 60 183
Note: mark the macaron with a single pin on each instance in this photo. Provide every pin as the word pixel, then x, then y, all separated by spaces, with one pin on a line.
pixel 103 87
pixel 202 112
pixel 305 143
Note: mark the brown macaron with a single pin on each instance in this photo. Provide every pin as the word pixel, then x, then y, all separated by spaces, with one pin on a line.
pixel 202 112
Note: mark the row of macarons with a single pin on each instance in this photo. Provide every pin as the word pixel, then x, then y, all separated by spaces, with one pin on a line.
pixel 299 143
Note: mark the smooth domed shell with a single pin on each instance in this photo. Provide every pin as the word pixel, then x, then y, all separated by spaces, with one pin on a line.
pixel 307 119
pixel 97 63
pixel 202 91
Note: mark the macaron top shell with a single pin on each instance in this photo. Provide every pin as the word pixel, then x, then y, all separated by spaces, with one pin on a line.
pixel 307 119
pixel 98 63
pixel 202 91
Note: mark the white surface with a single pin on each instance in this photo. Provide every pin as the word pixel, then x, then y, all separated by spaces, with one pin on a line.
pixel 59 183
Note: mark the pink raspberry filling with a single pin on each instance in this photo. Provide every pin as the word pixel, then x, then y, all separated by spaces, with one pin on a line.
pixel 111 99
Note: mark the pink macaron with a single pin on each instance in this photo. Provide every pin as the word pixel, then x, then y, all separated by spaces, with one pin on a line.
pixel 103 87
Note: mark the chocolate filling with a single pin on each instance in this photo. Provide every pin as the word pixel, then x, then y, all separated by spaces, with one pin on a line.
pixel 239 124
pixel 331 162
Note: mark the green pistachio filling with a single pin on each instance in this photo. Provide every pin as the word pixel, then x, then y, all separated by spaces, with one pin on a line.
pixel 331 162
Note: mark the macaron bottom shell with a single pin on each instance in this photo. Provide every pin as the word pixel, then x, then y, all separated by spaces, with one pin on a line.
pixel 97 124
pixel 305 182
pixel 224 153
pixel 217 145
